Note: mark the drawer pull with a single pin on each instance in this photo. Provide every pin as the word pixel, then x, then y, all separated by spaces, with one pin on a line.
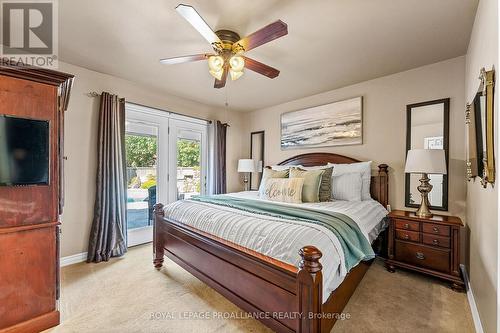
pixel 435 241
pixel 406 226
pixel 435 229
pixel 420 255
pixel 407 236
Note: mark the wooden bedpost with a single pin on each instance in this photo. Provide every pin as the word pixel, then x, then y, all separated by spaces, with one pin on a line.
pixel 158 246
pixel 383 187
pixel 310 284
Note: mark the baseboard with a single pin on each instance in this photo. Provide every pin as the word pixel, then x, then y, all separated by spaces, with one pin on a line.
pixel 472 301
pixel 74 259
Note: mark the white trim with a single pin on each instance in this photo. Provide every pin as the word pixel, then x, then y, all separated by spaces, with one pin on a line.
pixel 164 113
pixel 194 120
pixel 472 302
pixel 147 110
pixel 73 259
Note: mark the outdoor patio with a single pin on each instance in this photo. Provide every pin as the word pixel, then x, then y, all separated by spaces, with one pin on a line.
pixel 137 208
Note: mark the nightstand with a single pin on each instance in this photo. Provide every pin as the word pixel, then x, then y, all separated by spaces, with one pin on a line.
pixel 426 245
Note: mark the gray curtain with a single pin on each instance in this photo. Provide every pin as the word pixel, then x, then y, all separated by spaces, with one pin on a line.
pixel 108 233
pixel 217 178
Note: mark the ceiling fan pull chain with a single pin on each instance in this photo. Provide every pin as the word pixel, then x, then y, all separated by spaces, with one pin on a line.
pixel 226 106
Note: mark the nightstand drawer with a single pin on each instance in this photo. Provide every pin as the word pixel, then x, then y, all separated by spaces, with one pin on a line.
pixel 407 235
pixel 435 240
pixel 423 256
pixel 436 229
pixel 407 225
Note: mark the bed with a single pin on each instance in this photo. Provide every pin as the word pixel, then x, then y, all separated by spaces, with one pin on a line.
pixel 285 294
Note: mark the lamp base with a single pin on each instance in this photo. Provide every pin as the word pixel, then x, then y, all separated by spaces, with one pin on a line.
pixel 423 211
pixel 424 188
pixel 245 182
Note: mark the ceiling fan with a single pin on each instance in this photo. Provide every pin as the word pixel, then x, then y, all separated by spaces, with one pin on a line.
pixel 228 48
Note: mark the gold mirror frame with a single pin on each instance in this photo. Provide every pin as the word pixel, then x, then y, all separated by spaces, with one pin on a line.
pixel 489 161
pixel 480 136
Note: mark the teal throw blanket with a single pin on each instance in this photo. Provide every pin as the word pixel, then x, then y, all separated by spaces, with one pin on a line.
pixel 354 244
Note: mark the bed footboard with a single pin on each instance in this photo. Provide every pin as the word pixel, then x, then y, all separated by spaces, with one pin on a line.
pixel 281 296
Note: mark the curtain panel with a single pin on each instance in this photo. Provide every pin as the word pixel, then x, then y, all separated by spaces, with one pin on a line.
pixel 108 233
pixel 217 159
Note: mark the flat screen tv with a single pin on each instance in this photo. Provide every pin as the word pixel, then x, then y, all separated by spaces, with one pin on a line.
pixel 24 151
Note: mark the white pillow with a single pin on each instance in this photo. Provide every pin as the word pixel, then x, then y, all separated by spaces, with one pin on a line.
pixel 364 168
pixel 347 186
pixel 317 167
pixel 284 167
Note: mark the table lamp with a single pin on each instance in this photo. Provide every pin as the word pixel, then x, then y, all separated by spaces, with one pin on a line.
pixel 246 166
pixel 425 161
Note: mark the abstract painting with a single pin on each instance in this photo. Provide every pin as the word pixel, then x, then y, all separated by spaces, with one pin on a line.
pixel 336 124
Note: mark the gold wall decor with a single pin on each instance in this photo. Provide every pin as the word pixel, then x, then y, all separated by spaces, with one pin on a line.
pixel 479 119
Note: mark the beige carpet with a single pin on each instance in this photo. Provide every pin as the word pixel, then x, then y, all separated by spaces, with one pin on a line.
pixel 129 295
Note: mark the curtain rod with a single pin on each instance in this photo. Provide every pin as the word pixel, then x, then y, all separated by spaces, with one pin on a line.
pixel 96 94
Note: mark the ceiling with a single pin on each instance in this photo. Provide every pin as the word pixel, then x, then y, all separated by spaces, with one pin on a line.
pixel 330 44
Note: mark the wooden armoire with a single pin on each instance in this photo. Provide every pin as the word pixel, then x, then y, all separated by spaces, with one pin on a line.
pixel 29 214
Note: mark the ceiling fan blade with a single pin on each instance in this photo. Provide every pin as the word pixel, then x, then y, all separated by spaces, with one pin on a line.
pixel 191 15
pixel 261 68
pixel 265 35
pixel 222 82
pixel 183 59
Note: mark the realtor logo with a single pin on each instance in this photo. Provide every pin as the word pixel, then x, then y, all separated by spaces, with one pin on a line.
pixel 29 32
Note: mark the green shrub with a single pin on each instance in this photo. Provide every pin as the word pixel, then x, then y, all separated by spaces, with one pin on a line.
pixel 140 150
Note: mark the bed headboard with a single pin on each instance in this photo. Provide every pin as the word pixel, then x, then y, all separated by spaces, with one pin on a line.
pixel 379 188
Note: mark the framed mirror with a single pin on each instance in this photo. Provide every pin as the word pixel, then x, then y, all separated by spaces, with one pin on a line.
pixel 256 154
pixel 474 163
pixel 479 120
pixel 427 127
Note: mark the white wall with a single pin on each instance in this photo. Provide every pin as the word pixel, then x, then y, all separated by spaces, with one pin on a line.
pixel 80 144
pixel 384 123
pixel 482 204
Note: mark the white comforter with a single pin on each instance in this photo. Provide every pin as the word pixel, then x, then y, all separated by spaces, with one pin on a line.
pixel 281 238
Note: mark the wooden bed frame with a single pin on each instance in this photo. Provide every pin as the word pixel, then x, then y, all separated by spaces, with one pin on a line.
pixel 282 296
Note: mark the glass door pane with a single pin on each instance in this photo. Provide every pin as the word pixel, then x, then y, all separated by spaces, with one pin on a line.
pixel 141 152
pixel 188 159
pixel 141 147
pixel 188 167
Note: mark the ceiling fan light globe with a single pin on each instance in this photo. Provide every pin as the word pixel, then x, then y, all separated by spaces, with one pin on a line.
pixel 217 74
pixel 235 75
pixel 215 63
pixel 237 63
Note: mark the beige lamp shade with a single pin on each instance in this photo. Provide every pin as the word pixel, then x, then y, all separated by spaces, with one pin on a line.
pixel 426 161
pixel 246 165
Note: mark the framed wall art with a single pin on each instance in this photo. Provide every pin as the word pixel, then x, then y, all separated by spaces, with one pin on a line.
pixel 335 124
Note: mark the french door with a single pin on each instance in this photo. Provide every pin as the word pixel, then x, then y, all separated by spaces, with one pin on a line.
pixel 166 161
